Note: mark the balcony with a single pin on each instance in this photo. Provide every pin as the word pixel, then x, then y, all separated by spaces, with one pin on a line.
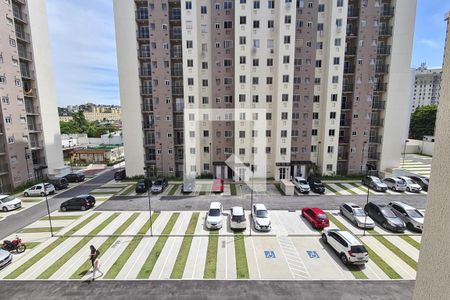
pixel 387 12
pixel 179 141
pixel 375 139
pixel 146 90
pixel 27 74
pixel 142 15
pixel 20 16
pixel 22 36
pixel 352 32
pixel 145 72
pixel 39 161
pixel 347 88
pixel 346 105
pixel 376 122
pixel 380 87
pixel 177 90
pixel 349 69
pixel 373 155
pixel 149 141
pixel 342 156
pixel 31 110
pixel 25 55
pixel 150 157
pixel 175 34
pixel 178 125
pixel 34 127
pixel 149 125
pixel 176 54
pixel 344 139
pixel 144 53
pixel 378 104
pixel 353 12
pixel 381 69
pixel 177 72
pixel 350 51
pixel 143 35
pixel 35 144
pixel 4 168
pixel 175 15
pixel 1 129
pixel 345 122
pixel 384 50
pixel 179 107
pixel 2 149
pixel 385 32
pixel 147 107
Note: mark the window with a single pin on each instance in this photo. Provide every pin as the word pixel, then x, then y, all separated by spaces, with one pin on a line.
pixel 205 82
pixel 205 100
pixel 339 23
pixel 287 39
pixel 269 80
pixel 255 98
pixel 330 149
pixel 11 139
pixel 268 98
pixel 286 59
pixel 320 27
pixel 268 150
pixel 270 24
pixel 284 97
pixel 268 133
pixel 317 81
pixel 321 7
pixel 188 4
pixel 315 115
pixel 227 44
pixel 354 133
pixel 255 62
pixel 242 79
pixel 3 79
pixel 255 24
pixel 190 81
pixel 268 116
pixel 189 44
pixel 333 115
pixel 270 62
pixel 227 5
pixel 329 167
pixel 243 20
pixel 241 151
pixel 314 132
pixel 334 97
pixel 256 4
pixel 287 19
pixel 242 40
pixel 285 78
pixel 318 63
pixel 316 98
pixel 335 79
pixel 242 60
pixel 282 151
pixel 255 80
pixel 227 24
pixel 337 42
pixel 227 62
pixel 331 132
pixel 340 3
pixel 228 99
pixel 336 60
pixel 205 133
pixel 203 10
pixel 227 80
pixel 271 4
pixel 284 133
pixel 8 120
pixel 241 98
pixel 284 116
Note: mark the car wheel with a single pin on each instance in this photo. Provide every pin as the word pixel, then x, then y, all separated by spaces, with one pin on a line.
pixel 63 208
pixel 4 209
pixel 384 225
pixel 340 211
pixel 355 222
pixel 324 238
pixel 42 194
pixel 26 194
pixel 410 227
pixel 344 259
pixel 83 208
pixel 394 189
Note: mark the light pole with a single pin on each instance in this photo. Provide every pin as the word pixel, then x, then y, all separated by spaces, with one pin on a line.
pixel 162 163
pixel 210 160
pixel 252 168
pixel 318 153
pixel 147 175
pixel 404 152
pixel 362 155
pixel 26 162
pixel 48 210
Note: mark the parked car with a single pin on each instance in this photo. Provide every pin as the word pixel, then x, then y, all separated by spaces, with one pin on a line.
pixel 214 216
pixel 385 216
pixel 217 186
pixel 356 215
pixel 316 217
pixel 81 202
pixel 8 203
pixel 59 183
pixel 261 218
pixel 395 184
pixel 411 185
pixel 120 175
pixel 374 183
pixel 349 248
pixel 159 185
pixel 316 185
pixel 412 217
pixel 75 177
pixel 301 185
pixel 5 258
pixel 188 186
pixel 422 181
pixel 142 186
pixel 40 189
pixel 237 218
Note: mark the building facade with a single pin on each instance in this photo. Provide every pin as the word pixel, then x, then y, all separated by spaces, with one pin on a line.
pixel 92 112
pixel 426 87
pixel 29 125
pixel 322 74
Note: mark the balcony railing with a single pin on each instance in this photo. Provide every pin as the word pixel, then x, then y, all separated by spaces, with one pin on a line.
pixel 380 87
pixel 347 88
pixel 23 36
pixel 387 12
pixel 39 161
pixel 342 156
pixel 150 125
pixel 23 54
pixel 381 69
pixel 373 155
pixel 353 13
pixel 179 141
pixel 150 157
pixel 345 122
pixel 384 50
pixel 4 168
pixel 149 141
pixel 378 104
pixel 146 90
pixel 350 51
pixel 177 90
pixel 34 127
pixel 386 31
pixel 143 35
pixel 19 15
pixel 147 107
pixel 375 139
pixel 27 74
pixel 2 148
pixel 349 69
pixel 175 34
pixel 142 15
pixel 146 72
pixel 346 105
pixel 376 122
pixel 175 15
pixel 144 53
pixel 35 144
pixel 179 125
pixel 31 110
pixel 178 72
pixel 344 139
pixel 176 54
pixel 179 107
pixel 353 32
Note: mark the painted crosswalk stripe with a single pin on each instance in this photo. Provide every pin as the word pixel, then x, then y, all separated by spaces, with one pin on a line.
pixel 346 188
pixel 334 190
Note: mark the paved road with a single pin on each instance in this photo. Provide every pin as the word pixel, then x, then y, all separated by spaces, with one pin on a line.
pixel 179 203
pixel 198 289
pixel 15 222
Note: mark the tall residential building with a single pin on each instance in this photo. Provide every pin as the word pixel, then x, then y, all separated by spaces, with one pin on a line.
pixel 427 86
pixel 326 77
pixel 30 143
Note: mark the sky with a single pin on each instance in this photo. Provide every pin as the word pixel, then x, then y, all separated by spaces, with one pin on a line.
pixel 84 49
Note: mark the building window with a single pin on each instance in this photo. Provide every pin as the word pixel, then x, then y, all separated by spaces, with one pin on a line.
pixel 268 133
pixel 284 97
pixel 255 24
pixel 336 60
pixel 283 133
pixel 287 19
pixel 340 3
pixel 284 116
pixel 227 24
pixel 282 151
pixel 316 98
pixel 243 20
pixel 268 98
pixel 321 7
pixel 241 151
pixel 242 40
pixel 189 44
pixel 287 39
pixel 329 167
pixel 331 132
pixel 333 115
pixel 315 115
pixel 334 97
pixel 270 62
pixel 286 78
pixel 188 4
pixel 330 149
pixel 337 42
pixel 335 79
pixel 286 59
pixel 268 116
pixel 314 132
pixel 203 10
pixel 256 4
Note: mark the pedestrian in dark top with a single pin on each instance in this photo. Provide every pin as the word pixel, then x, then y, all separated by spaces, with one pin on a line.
pixel 93 256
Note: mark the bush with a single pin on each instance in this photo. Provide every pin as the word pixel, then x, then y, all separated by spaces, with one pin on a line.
pixel 205 176
pixel 110 164
pixel 28 184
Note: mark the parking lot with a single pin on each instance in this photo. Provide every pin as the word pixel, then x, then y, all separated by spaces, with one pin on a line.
pixel 183 248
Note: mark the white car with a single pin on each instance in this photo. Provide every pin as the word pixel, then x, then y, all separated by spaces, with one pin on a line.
pixel 356 215
pixel 237 218
pixel 214 216
pixel 301 185
pixel 261 218
pixel 40 189
pixel 8 203
pixel 411 185
pixel 347 246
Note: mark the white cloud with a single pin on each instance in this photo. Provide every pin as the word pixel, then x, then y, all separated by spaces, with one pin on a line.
pixel 84 51
pixel 430 43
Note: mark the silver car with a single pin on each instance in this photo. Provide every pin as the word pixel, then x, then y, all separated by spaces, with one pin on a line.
pixel 237 218
pixel 5 258
pixel 412 217
pixel 411 185
pixel 395 184
pixel 356 215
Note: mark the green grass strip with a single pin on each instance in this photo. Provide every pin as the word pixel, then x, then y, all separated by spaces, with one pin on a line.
pixel 361 188
pixel 411 241
pixel 211 255
pixel 331 189
pixel 29 263
pixel 346 188
pixel 203 189
pixel 180 262
pixel 84 268
pixel 129 250
pixel 174 189
pixel 40 229
pixel 31 245
pixel 61 218
pixel 150 262
pixel 382 264
pixel 403 256
pixel 32 200
pixel 336 222
pixel 69 254
pixel 126 191
pixel 241 257
pixel 233 189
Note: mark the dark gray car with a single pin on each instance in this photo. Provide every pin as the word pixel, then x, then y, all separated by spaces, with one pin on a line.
pixel 374 183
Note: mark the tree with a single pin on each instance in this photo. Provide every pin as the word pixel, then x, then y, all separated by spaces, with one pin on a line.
pixel 423 121
pixel 79 124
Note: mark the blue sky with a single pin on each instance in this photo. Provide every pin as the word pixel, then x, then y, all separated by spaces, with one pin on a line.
pixel 84 50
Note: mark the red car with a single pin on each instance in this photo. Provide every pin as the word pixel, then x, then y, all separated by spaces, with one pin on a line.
pixel 316 217
pixel 217 186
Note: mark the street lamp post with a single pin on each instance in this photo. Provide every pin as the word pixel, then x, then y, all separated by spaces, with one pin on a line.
pixel 318 154
pixel 48 210
pixel 367 202
pixel 251 196
pixel 26 162
pixel 362 156
pixel 404 152
pixel 147 175
pixel 210 160
pixel 162 163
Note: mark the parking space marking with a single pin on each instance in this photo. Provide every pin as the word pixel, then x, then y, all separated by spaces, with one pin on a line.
pixel 293 259
pixel 404 246
pixel 256 259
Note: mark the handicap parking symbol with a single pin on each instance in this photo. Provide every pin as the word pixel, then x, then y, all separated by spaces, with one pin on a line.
pixel 312 254
pixel 269 254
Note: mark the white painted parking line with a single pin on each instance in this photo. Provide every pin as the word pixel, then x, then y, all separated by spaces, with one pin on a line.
pixel 404 246
pixel 354 189
pixel 293 259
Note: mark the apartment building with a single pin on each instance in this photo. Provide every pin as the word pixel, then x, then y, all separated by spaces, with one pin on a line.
pixel 426 87
pixel 198 77
pixel 30 143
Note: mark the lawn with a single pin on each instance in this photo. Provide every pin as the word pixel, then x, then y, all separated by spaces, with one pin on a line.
pixel 241 257
pixel 211 255
pixel 411 241
pixel 346 189
pixel 174 189
pixel 233 189
pixel 40 229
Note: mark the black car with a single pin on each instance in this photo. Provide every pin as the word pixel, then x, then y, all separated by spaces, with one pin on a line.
pixel 316 185
pixel 81 202
pixel 142 186
pixel 385 216
pixel 120 175
pixel 422 181
pixel 59 183
pixel 75 177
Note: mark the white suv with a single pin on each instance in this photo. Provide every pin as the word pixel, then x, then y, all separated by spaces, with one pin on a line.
pixel 301 185
pixel 214 216
pixel 350 249
pixel 261 219
pixel 237 218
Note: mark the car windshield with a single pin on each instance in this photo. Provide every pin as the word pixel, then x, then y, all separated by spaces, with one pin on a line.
pixel 414 213
pixel 214 212
pixel 7 199
pixel 376 179
pixel 318 183
pixel 358 249
pixel 358 212
pixel 302 182
pixel 262 214
pixel 47 185
pixel 409 181
pixel 238 218
pixel 388 213
pixel 321 217
pixel 158 182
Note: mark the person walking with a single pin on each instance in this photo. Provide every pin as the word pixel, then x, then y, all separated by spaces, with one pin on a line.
pixel 93 256
pixel 96 269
